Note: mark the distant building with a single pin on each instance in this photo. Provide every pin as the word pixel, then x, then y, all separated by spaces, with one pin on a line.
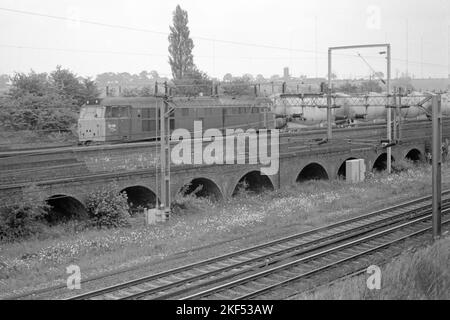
pixel 286 75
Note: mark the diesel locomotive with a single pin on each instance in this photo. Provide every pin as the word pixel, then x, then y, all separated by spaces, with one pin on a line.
pixel 137 118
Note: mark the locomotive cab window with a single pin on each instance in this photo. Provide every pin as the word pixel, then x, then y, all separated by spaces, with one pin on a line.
pixel 108 112
pixel 91 112
pixel 117 112
pixel 124 112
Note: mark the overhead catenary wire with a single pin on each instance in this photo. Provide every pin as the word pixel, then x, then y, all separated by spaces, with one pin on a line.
pixel 371 68
pixel 214 40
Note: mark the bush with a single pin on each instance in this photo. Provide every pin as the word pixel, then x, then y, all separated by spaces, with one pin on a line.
pixel 25 217
pixel 189 203
pixel 403 165
pixel 108 207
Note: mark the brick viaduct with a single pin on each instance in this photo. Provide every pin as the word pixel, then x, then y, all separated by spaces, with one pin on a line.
pixel 325 161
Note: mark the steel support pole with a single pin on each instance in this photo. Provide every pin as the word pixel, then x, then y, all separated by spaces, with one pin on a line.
pixel 162 153
pixel 437 162
pixel 165 153
pixel 399 111
pixel 389 110
pixel 395 115
pixel 329 128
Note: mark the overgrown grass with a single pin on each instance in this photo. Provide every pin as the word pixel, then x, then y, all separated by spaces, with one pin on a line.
pixel 29 138
pixel 198 222
pixel 420 275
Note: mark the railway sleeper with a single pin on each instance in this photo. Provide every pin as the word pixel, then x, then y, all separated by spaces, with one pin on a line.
pixel 189 273
pixel 111 296
pixel 202 270
pixel 164 281
pixel 220 296
pixel 288 274
pixel 236 291
pixel 276 277
pixel 149 286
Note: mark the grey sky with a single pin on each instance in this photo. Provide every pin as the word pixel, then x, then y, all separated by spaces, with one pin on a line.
pixel 281 23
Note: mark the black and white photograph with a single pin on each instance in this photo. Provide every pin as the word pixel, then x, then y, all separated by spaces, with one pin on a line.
pixel 205 151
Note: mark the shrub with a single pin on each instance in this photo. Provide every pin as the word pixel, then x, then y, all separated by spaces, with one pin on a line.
pixel 186 202
pixel 242 189
pixel 108 207
pixel 25 217
pixel 403 165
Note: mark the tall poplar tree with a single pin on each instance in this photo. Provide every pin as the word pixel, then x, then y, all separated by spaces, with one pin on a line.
pixel 180 48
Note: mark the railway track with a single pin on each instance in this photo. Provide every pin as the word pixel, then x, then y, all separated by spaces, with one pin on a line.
pixel 46 166
pixel 4 153
pixel 265 268
pixel 312 132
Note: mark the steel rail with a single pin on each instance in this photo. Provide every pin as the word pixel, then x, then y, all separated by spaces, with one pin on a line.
pixel 334 264
pixel 262 246
pixel 271 258
pixel 283 267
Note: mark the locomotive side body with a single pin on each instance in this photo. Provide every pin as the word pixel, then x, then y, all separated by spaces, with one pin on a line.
pixel 133 119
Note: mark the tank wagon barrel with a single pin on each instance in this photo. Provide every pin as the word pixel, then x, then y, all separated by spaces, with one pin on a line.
pixel 310 109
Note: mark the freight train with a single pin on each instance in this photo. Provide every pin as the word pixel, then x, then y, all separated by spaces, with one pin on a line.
pixel 310 110
pixel 136 118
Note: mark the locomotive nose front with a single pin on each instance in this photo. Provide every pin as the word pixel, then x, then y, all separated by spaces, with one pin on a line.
pixel 91 124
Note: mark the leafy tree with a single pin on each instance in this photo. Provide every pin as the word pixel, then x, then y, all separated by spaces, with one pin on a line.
pixel 67 84
pixel 275 77
pixel 363 87
pixel 128 82
pixel 193 83
pixel 138 92
pixel 32 83
pixel 180 45
pixel 154 74
pixel 90 90
pixel 238 87
pixel 371 86
pixel 38 101
pixel 228 77
pixel 107 78
pixel 260 78
pixel 247 77
pixel 348 88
